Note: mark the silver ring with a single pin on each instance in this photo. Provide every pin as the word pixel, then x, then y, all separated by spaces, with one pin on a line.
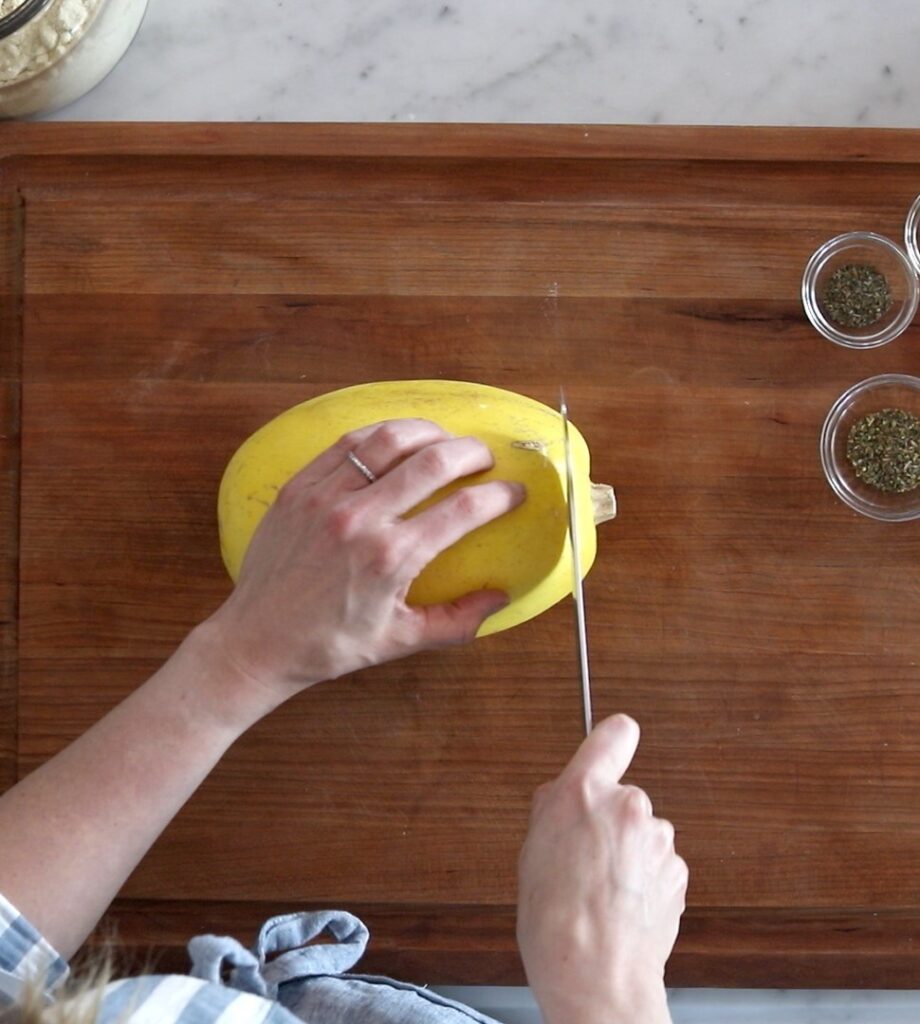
pixel 359 465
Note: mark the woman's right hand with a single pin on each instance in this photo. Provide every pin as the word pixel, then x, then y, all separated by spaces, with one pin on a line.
pixel 601 890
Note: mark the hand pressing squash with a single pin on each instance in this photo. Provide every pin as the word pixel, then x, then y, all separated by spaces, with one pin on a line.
pixel 525 553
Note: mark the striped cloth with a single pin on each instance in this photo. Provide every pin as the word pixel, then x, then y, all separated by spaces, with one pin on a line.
pixel 152 999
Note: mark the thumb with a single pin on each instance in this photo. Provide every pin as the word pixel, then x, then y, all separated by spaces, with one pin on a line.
pixel 608 751
pixel 457 622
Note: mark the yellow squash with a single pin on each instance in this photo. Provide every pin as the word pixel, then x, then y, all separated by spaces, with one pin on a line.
pixel 525 553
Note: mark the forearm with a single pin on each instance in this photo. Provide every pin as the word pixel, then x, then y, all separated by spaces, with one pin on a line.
pixel 73 830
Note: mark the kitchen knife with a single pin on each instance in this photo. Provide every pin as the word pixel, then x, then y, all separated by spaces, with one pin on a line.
pixel 578 593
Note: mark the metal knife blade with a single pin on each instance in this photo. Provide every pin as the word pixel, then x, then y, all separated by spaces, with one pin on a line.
pixel 578 593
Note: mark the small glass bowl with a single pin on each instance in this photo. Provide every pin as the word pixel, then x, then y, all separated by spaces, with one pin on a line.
pixel 887 391
pixel 910 234
pixel 879 252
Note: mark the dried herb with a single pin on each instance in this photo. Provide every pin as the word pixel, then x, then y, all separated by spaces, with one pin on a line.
pixel 884 450
pixel 856 295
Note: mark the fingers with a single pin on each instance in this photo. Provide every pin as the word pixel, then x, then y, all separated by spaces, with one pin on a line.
pixel 680 874
pixel 592 778
pixel 331 459
pixel 380 446
pixel 606 754
pixel 662 834
pixel 427 471
pixel 458 621
pixel 382 449
pixel 407 461
pixel 636 801
pixel 443 524
pixel 411 460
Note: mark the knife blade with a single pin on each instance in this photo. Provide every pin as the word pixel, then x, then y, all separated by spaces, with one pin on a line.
pixel 578 593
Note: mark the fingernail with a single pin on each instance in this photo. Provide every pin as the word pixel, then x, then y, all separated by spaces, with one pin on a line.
pixel 622 722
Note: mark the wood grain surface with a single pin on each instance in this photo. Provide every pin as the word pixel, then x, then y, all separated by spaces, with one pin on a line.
pixel 167 289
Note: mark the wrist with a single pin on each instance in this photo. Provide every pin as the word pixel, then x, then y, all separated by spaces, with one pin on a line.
pixel 636 1003
pixel 228 695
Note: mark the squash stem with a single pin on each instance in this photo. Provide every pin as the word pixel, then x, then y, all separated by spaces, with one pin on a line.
pixel 604 503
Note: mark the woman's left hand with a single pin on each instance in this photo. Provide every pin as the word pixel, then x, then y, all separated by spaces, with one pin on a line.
pixel 322 591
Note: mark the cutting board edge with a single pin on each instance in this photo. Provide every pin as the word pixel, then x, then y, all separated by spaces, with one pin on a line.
pixel 475 945
pixel 456 140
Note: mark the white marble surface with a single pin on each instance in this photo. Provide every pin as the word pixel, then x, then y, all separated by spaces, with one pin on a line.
pixel 823 62
pixel 711 1006
pixel 828 62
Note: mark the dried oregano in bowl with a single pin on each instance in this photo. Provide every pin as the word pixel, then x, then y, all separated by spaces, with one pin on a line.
pixel 870 447
pixel 884 450
pixel 860 290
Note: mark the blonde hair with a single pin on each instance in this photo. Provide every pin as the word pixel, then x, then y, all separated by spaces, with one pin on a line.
pixel 77 1001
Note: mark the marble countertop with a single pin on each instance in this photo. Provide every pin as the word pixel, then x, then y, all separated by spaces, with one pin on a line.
pixel 754 62
pixel 721 1006
pixel 787 62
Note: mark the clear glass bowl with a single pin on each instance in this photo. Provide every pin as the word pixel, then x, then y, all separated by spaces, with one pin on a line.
pixel 910 234
pixel 887 391
pixel 44 66
pixel 879 252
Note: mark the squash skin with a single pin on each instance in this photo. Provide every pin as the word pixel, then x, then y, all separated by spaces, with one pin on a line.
pixel 526 553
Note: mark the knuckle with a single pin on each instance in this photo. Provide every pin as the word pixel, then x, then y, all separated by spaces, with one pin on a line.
pixel 665 831
pixel 421 425
pixel 342 521
pixel 348 441
pixel 310 501
pixel 389 435
pixel 635 801
pixel 582 789
pixel 433 461
pixel 477 446
pixel 387 555
pixel 468 502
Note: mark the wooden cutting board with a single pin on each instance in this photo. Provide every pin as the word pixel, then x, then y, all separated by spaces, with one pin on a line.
pixel 167 289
